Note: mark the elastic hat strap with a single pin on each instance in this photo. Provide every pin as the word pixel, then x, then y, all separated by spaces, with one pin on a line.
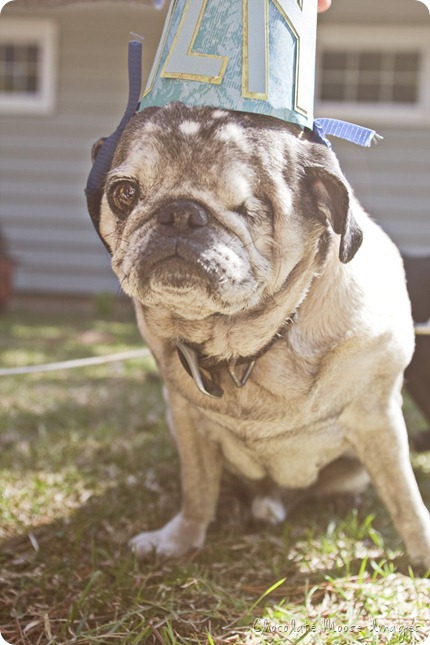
pixel 344 130
pixel 103 161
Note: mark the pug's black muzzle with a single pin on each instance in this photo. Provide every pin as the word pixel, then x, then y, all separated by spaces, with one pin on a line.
pixel 181 216
pixel 183 230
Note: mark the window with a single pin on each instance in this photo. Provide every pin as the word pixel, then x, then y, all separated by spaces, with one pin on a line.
pixel 27 66
pixel 378 72
pixel 370 76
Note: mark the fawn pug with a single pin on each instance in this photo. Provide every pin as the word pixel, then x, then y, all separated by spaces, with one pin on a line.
pixel 276 310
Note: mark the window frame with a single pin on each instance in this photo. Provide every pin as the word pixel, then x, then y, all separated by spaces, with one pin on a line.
pixel 43 33
pixel 368 38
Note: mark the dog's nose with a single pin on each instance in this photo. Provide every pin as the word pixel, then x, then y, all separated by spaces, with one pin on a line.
pixel 182 214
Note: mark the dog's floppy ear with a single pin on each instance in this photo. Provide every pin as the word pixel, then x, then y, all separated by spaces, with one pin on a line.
pixel 331 199
pixel 96 148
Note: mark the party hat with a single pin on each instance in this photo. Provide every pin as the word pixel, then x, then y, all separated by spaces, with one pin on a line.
pixel 248 55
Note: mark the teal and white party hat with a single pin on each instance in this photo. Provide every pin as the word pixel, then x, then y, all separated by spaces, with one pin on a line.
pixel 253 56
pixel 248 55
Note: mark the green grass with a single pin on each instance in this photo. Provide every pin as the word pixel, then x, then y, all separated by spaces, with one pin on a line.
pixel 86 463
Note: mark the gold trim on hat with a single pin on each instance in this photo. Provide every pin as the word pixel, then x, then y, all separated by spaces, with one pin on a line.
pixel 296 106
pixel 262 96
pixel 157 61
pixel 217 80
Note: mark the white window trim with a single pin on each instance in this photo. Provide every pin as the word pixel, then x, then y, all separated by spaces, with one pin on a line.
pixel 44 33
pixel 373 37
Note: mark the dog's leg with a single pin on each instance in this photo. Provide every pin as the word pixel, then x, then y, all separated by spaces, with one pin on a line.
pixel 379 438
pixel 201 467
pixel 346 476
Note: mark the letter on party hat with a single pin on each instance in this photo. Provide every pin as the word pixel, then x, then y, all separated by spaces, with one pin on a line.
pixel 248 55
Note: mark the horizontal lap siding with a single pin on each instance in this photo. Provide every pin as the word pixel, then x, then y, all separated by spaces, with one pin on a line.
pixel 392 181
pixel 371 12
pixel 44 161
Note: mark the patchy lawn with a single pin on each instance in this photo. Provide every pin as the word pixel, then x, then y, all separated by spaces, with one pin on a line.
pixel 86 463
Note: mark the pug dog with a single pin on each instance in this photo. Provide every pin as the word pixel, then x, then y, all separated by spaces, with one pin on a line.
pixel 277 313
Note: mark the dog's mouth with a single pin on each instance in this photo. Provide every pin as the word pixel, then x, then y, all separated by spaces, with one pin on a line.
pixel 179 265
pixel 191 262
pixel 184 259
pixel 200 272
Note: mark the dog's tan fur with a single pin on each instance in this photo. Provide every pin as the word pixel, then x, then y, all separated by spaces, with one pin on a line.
pixel 275 258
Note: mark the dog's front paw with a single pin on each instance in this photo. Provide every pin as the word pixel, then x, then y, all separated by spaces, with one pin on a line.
pixel 176 538
pixel 268 509
pixel 417 540
pixel 420 556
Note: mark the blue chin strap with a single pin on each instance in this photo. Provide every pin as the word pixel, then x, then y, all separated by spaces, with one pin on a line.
pixel 344 130
pixel 102 163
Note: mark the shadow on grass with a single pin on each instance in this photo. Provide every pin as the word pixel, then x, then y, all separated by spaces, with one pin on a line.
pixel 74 580
pixel 86 464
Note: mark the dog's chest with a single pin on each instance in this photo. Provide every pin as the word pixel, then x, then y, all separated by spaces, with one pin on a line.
pixel 290 449
pixel 280 380
pixel 278 425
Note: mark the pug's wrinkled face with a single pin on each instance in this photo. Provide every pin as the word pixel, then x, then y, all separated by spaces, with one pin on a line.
pixel 201 213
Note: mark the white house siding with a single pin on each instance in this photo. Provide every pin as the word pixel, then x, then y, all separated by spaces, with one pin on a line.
pixel 44 160
pixel 392 179
pixel 369 12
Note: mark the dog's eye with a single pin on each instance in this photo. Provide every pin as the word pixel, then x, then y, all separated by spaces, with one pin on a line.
pixel 256 209
pixel 123 196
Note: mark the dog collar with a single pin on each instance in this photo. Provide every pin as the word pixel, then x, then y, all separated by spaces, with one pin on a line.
pixel 206 376
pixel 205 370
